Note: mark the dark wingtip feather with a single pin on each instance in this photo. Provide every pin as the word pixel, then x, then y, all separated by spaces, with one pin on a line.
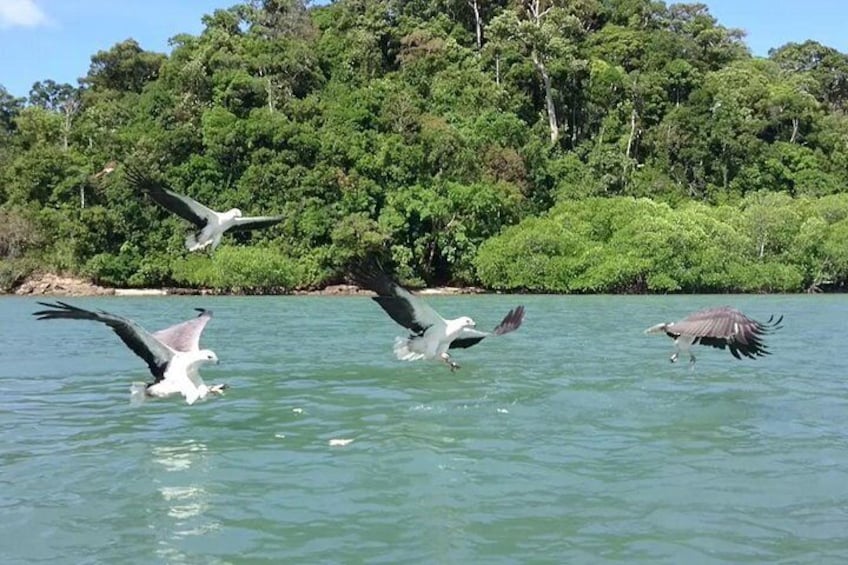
pixel 771 325
pixel 47 304
pixel 755 347
pixel 144 180
pixel 371 275
pixel 135 177
pixel 57 309
pixel 511 322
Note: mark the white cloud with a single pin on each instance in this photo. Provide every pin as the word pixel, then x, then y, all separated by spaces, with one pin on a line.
pixel 21 13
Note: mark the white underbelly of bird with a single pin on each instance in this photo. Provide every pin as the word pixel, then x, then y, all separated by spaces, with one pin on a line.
pixel 419 347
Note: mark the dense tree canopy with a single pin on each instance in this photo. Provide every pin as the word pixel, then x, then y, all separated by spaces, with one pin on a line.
pixel 543 145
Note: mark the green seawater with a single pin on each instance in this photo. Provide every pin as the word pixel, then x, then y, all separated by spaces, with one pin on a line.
pixel 572 440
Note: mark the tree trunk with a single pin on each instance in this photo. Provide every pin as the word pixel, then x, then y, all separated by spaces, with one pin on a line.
pixel 69 109
pixel 632 132
pixel 626 164
pixel 575 130
pixel 269 89
pixel 537 14
pixel 549 97
pixel 66 131
pixel 478 23
pixel 498 70
pixel 794 130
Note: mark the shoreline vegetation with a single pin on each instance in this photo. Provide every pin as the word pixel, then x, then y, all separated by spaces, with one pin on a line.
pixel 598 147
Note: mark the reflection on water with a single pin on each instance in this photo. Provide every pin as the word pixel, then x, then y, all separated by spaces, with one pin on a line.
pixel 180 457
pixel 184 502
pixel 186 499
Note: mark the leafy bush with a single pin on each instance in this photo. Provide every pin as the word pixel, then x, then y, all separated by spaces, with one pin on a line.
pixel 626 245
pixel 238 269
pixel 14 271
pixel 17 234
pixel 111 270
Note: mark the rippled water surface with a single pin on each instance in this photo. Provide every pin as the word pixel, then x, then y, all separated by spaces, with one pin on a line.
pixel 573 440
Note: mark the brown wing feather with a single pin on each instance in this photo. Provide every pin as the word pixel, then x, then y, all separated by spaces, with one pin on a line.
pixel 727 327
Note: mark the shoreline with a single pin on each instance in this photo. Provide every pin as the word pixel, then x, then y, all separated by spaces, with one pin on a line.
pixel 53 285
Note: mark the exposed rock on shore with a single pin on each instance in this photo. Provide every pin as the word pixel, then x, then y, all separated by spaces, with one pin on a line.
pixel 49 284
pixel 56 285
pixel 335 290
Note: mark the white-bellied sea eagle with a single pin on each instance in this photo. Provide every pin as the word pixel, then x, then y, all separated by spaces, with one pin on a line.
pixel 722 327
pixel 173 354
pixel 431 335
pixel 211 224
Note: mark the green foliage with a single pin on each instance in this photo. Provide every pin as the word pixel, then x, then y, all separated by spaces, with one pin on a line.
pixel 770 243
pixel 18 233
pixel 566 146
pixel 111 270
pixel 14 271
pixel 235 269
pixel 541 254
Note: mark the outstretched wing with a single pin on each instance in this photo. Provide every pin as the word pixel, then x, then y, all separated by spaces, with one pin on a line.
pixel 255 222
pixel 185 336
pixel 511 322
pixel 727 327
pixel 179 204
pixel 142 343
pixel 401 305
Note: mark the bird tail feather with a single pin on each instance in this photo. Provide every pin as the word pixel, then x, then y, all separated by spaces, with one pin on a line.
pixel 186 387
pixel 404 351
pixel 190 392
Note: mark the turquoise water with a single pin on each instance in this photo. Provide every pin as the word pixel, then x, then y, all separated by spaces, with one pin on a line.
pixel 572 440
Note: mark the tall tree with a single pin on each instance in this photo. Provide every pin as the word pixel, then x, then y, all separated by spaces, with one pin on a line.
pixel 827 67
pixel 63 99
pixel 10 106
pixel 124 67
pixel 547 32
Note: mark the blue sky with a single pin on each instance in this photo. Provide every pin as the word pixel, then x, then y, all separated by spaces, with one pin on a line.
pixel 41 39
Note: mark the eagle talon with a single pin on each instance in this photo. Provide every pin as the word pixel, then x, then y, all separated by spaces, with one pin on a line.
pixel 219 389
pixel 453 366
